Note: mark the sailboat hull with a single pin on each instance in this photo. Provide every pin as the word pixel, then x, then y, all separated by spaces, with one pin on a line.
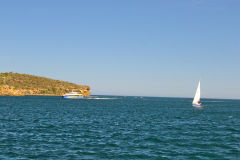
pixel 196 105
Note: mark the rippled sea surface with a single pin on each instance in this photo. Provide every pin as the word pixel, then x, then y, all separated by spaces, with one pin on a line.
pixel 119 128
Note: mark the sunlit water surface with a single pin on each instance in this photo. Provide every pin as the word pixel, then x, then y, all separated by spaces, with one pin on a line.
pixel 119 128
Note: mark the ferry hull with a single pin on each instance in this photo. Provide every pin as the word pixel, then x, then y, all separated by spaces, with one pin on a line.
pixel 73 97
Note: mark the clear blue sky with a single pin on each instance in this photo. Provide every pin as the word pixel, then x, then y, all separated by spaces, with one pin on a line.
pixel 126 47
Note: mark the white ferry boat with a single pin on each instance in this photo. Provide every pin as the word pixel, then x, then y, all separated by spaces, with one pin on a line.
pixel 73 95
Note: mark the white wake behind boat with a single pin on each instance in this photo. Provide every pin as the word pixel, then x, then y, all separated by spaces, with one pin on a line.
pixel 196 101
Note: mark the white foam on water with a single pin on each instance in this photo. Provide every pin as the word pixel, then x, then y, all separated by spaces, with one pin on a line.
pixel 102 98
pixel 213 101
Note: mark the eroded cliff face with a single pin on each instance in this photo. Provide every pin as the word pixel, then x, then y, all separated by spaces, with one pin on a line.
pixel 15 84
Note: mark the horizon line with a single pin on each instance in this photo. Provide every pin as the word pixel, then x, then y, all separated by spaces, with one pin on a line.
pixel 164 96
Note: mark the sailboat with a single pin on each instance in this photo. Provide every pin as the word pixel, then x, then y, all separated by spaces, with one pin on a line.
pixel 196 100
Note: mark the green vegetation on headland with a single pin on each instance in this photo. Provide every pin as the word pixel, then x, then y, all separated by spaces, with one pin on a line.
pixel 15 84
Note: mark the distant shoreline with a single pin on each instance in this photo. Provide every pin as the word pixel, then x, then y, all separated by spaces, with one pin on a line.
pixel 124 96
pixel 16 84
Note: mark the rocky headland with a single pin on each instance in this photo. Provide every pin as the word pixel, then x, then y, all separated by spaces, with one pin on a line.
pixel 15 84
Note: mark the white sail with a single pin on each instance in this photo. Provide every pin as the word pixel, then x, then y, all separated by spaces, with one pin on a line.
pixel 196 99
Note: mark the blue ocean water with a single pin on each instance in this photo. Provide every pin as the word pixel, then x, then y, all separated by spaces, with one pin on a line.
pixel 119 128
